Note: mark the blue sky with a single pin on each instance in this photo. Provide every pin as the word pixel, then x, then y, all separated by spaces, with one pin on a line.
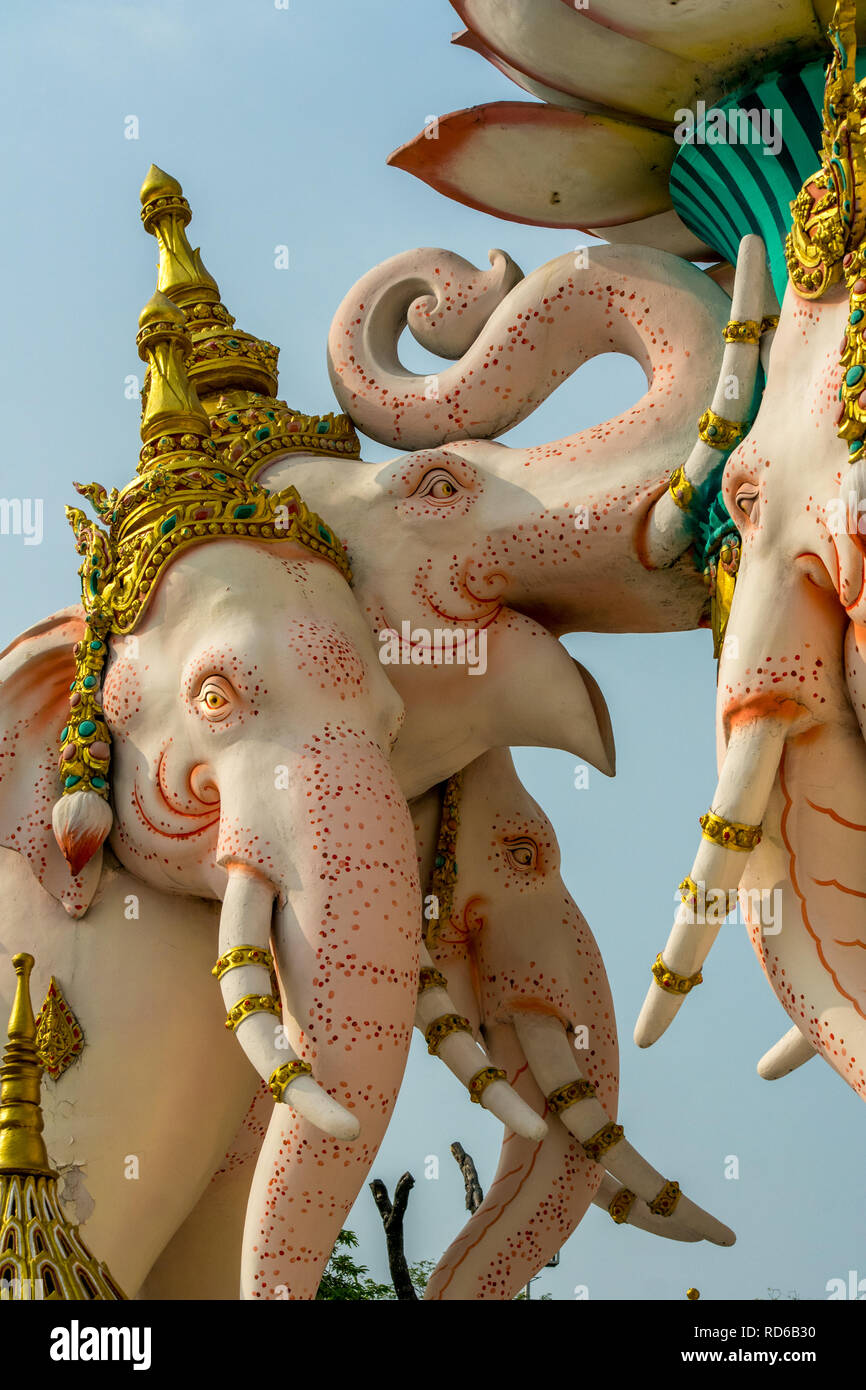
pixel 277 123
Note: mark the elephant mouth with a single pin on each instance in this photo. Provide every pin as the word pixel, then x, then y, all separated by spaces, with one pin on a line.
pixel 477 620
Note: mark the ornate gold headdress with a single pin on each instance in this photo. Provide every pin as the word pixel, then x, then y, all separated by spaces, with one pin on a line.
pixel 826 241
pixel 185 492
pixel 234 374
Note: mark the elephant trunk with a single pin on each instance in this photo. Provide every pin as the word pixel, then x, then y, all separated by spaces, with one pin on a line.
pixel 731 830
pixel 345 935
pixel 517 342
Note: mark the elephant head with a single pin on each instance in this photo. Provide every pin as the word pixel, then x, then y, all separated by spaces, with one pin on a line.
pixel 788 813
pixel 524 968
pixel 471 558
pixel 228 689
pixel 512 547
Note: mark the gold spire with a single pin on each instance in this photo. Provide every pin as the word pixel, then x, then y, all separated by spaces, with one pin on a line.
pixel 170 403
pixel 41 1255
pixel 221 356
pixel 234 373
pixel 22 1148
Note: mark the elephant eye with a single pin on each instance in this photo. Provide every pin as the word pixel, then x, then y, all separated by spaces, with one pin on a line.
pixel 522 852
pixel 215 698
pixel 746 500
pixel 438 485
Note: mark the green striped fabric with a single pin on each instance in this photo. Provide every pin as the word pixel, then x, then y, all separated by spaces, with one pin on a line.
pixel 723 191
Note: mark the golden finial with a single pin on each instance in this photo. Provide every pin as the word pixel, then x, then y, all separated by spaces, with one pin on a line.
pixel 221 355
pixel 22 1148
pixel 171 405
pixel 165 213
pixel 693 1294
pixel 234 373
pixel 41 1255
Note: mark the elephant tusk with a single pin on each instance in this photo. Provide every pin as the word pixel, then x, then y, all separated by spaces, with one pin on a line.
pixel 741 797
pixel 627 1209
pixel 254 1012
pixel 669 532
pixel 435 1013
pixel 790 1052
pixel 551 1061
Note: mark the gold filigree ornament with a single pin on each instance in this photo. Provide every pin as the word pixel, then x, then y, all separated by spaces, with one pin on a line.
pixel 825 243
pixel 59 1037
pixel 184 494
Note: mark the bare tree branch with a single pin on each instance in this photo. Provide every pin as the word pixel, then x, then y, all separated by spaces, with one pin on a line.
pixel 392 1219
pixel 474 1193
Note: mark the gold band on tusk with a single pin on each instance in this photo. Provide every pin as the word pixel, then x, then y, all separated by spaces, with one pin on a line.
pixel 620 1205
pixel 442 1027
pixel 283 1076
pixel 571 1094
pixel 730 834
pixel 664 1203
pixel 688 891
pixel 243 955
pixel 742 331
pixel 431 978
pixel 769 322
pixel 718 432
pixel 681 489
pixel 481 1080
pixel 669 980
pixel 603 1139
pixel 252 1004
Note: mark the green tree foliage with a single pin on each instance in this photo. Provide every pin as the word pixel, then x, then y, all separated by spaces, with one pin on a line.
pixel 345 1278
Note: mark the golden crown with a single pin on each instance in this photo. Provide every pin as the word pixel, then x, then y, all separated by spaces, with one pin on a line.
pixel 184 493
pixel 234 374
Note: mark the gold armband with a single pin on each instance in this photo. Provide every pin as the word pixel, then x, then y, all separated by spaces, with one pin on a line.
pixel 571 1094
pixel 431 978
pixel 243 955
pixel 620 1205
pixel 742 331
pixel 442 1027
pixel 283 1076
pixel 603 1139
pixel 718 432
pixel 730 834
pixel 664 1203
pixel 681 489
pixel 481 1080
pixel 669 980
pixel 252 1004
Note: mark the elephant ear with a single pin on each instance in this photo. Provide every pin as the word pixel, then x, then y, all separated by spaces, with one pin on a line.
pixel 36 671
